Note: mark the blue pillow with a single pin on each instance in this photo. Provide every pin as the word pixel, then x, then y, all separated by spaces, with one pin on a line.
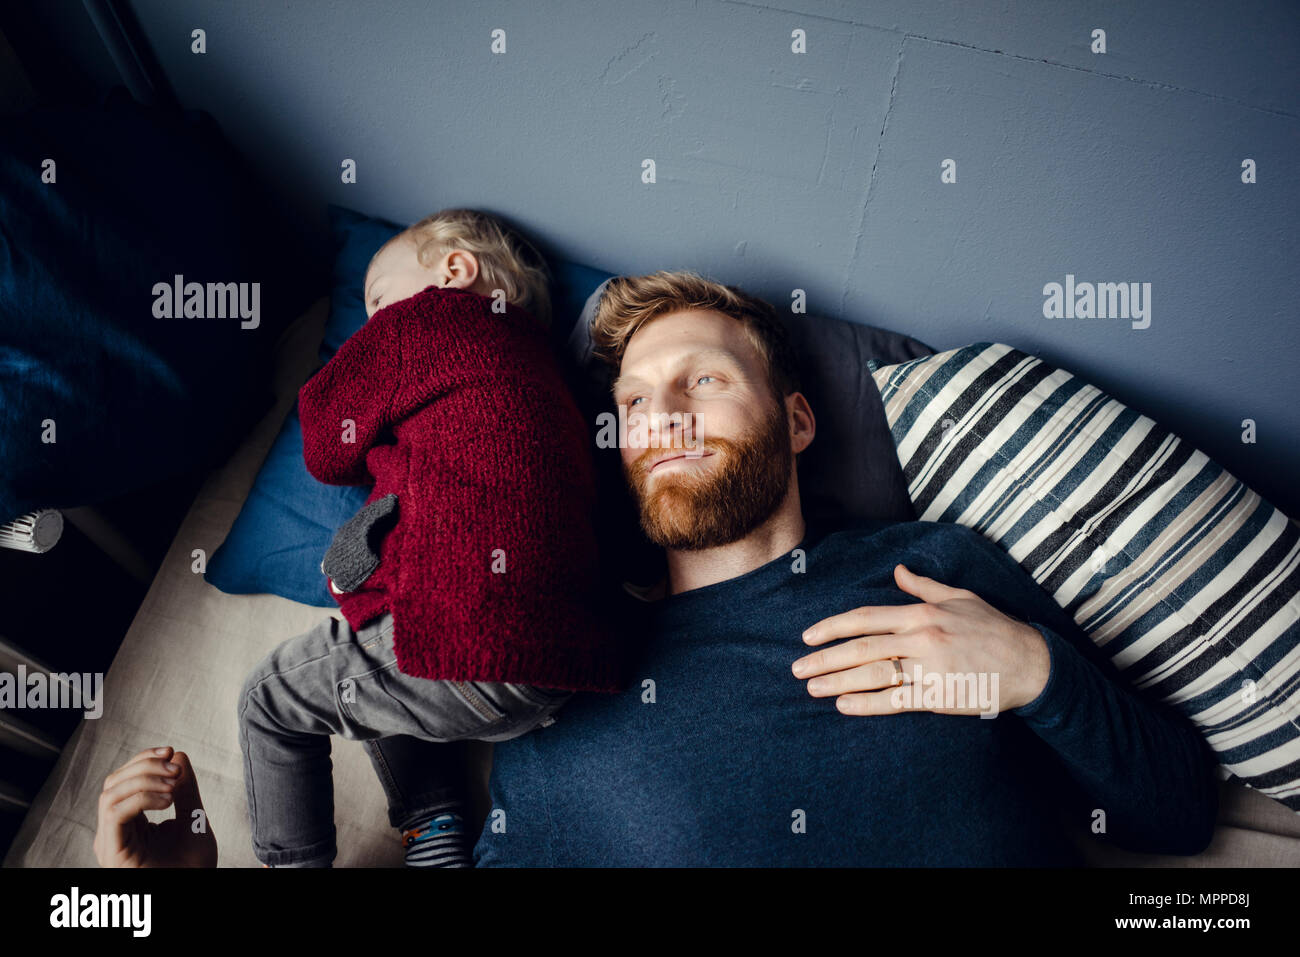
pixel 356 239
pixel 289 518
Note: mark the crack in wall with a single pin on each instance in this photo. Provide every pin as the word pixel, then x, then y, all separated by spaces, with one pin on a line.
pixel 1150 84
pixel 871 180
pixel 624 54
pixel 1153 84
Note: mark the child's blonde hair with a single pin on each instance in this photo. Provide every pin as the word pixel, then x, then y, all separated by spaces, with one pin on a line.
pixel 506 260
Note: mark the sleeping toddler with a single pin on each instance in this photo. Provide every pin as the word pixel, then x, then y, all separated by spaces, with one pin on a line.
pixel 468 581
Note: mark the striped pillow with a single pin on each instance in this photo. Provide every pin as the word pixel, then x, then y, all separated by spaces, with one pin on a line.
pixel 1186 578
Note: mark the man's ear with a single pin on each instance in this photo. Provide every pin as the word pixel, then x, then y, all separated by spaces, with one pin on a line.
pixel 803 422
pixel 461 269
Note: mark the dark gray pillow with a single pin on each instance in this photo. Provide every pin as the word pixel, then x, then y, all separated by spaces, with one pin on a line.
pixel 850 472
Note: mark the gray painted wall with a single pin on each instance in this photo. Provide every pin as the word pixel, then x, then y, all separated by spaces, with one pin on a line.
pixel 822 171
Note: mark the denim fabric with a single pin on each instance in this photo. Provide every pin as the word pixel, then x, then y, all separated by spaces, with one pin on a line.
pixel 333 680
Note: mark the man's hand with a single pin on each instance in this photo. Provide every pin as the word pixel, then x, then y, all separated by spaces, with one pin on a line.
pixel 952 631
pixel 126 838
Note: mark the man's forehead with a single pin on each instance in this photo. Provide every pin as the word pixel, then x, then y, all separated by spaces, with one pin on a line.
pixel 676 352
pixel 691 330
pixel 680 337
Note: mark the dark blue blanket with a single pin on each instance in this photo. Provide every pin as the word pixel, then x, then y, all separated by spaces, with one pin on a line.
pixel 100 395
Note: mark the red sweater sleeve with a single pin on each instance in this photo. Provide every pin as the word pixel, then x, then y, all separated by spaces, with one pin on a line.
pixel 357 385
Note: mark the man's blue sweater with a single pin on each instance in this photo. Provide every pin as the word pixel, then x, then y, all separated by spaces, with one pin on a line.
pixel 718 756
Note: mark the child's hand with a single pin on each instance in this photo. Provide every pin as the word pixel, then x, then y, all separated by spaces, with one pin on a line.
pixel 124 837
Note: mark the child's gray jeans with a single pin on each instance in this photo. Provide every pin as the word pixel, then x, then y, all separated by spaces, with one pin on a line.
pixel 333 680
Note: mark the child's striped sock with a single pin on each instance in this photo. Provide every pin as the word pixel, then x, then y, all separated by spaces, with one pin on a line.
pixel 436 838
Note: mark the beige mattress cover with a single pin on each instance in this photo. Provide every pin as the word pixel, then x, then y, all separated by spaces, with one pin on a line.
pixel 175 679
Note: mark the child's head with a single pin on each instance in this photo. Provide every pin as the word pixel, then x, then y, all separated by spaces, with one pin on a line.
pixel 462 249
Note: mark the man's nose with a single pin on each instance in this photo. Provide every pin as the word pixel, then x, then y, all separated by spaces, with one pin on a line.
pixel 670 421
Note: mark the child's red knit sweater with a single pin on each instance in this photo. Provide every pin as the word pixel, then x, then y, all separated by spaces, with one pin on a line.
pixel 491 570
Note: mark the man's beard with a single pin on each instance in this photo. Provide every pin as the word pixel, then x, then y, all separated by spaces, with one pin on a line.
pixel 722 502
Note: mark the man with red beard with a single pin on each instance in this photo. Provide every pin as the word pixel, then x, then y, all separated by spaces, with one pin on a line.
pixel 724 750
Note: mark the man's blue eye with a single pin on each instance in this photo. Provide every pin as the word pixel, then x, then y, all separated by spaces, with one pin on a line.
pixel 634 401
pixel 697 381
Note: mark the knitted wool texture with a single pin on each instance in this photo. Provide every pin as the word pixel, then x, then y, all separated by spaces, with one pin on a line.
pixel 490 571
